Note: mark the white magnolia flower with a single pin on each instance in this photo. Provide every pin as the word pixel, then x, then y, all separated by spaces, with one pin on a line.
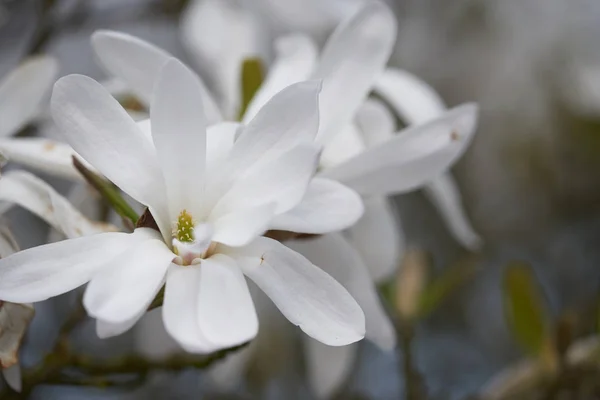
pixel 212 196
pixel 360 150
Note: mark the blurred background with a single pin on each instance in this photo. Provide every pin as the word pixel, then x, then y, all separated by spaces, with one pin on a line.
pixel 530 180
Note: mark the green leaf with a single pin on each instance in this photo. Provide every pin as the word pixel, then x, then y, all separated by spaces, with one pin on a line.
pixel 252 78
pixel 445 284
pixel 108 191
pixel 525 309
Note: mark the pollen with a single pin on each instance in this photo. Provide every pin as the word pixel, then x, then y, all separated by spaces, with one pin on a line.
pixel 184 229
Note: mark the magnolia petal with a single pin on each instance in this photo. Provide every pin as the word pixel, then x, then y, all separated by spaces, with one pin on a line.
pixel 105 329
pixel 353 57
pixel 22 92
pixel 99 129
pixel 42 272
pixel 327 206
pixel 12 377
pixel 295 60
pixel 282 182
pixel 344 264
pixel 220 35
pixel 180 308
pixel 127 285
pixel 240 227
pixel 226 314
pixel 219 141
pixel 44 155
pixel 304 293
pixel 179 135
pixel 446 196
pixel 28 191
pixel 378 237
pixel 342 147
pixel 290 118
pixel 376 122
pixel 413 158
pixel 138 64
pixel 328 367
pixel 412 98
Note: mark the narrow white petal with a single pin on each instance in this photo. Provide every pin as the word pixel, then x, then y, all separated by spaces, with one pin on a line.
pixel 12 377
pixel 348 143
pixel 345 265
pixel 327 206
pixel 295 60
pixel 226 314
pixel 291 117
pixel 240 227
pixel 126 286
pixel 376 122
pixel 445 195
pixel 219 141
pixel 23 91
pixel 378 237
pixel 282 182
pixel 180 308
pixel 44 155
pixel 105 329
pixel 220 35
pixel 138 64
pixel 28 191
pixel 353 57
pixel 413 158
pixel 304 293
pixel 99 129
pixel 412 98
pixel 328 367
pixel 179 135
pixel 41 272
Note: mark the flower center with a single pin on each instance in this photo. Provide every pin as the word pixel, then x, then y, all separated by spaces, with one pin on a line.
pixel 191 241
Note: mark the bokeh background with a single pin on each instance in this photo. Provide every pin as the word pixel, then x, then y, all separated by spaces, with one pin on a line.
pixel 530 180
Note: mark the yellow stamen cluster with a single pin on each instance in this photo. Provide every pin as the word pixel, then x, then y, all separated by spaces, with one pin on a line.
pixel 184 230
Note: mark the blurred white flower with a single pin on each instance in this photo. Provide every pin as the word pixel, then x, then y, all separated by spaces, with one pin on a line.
pixel 212 198
pixel 416 102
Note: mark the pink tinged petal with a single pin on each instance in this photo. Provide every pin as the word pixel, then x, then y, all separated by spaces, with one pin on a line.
pixel 328 367
pixel 290 118
pixel 413 158
pixel 127 285
pixel 44 155
pixel 99 129
pixel 281 182
pixel 28 191
pixel 226 314
pixel 344 264
pixel 327 206
pixel 412 98
pixel 295 60
pixel 240 227
pixel 376 123
pixel 219 35
pixel 45 271
pixel 22 92
pixel 180 308
pixel 379 239
pixel 179 135
pixel 12 377
pixel 342 147
pixel 446 196
pixel 304 293
pixel 138 64
pixel 352 59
